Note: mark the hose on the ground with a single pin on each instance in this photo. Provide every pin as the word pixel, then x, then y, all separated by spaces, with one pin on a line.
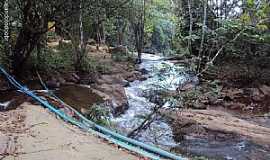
pixel 125 142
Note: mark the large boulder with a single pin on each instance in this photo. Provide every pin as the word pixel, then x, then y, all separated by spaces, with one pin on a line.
pixel 115 95
pixel 135 75
pixel 112 79
pixel 52 83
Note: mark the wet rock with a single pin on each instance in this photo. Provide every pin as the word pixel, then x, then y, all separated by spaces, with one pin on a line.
pixel 135 75
pixel 143 77
pixel 78 96
pixel 73 77
pixel 183 127
pixel 58 77
pixel 186 87
pixel 61 80
pixel 191 83
pixel 143 71
pixel 89 78
pixel 157 100
pixel 112 79
pixel 235 105
pixel 53 83
pixel 125 83
pixel 115 95
pixel 265 90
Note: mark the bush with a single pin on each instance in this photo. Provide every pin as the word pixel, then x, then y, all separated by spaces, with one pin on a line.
pixel 91 66
pixel 100 114
pixel 53 59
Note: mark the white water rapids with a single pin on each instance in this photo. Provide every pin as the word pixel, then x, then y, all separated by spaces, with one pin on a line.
pixel 164 75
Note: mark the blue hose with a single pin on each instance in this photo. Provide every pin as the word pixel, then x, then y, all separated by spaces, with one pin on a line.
pixel 123 141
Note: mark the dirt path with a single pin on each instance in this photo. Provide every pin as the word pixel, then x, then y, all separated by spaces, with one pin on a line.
pixel 31 132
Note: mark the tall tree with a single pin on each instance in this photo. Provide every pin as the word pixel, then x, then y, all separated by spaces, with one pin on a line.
pixel 35 17
pixel 190 25
pixel 200 56
pixel 137 20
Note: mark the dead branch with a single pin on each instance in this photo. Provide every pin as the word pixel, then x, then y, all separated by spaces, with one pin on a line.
pixel 146 123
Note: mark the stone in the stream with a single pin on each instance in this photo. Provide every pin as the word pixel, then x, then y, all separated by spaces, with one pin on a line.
pixel 116 95
pixel 132 76
pixel 144 71
pixel 186 87
pixel 125 83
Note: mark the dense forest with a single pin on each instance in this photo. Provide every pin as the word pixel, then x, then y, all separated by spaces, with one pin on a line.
pixel 207 30
pixel 189 75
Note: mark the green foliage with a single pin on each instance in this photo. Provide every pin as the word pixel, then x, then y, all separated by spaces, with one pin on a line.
pixel 90 65
pixel 51 36
pixel 53 59
pixel 100 114
pixel 4 61
pixel 61 58
pixel 251 35
pixel 190 99
pixel 194 97
pixel 159 25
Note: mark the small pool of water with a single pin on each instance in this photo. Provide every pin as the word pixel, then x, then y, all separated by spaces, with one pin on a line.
pixel 78 96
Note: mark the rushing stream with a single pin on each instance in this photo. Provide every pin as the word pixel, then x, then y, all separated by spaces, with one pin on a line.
pixel 162 75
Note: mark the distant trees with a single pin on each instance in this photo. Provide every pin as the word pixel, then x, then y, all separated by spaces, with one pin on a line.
pixel 207 25
pixel 199 28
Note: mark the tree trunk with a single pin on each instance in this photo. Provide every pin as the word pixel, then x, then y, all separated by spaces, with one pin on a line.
pixel 79 51
pixel 190 26
pixel 25 44
pixel 200 56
